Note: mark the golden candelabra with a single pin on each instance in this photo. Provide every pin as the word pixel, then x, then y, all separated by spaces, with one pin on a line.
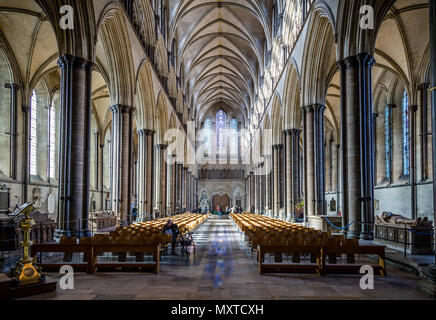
pixel 26 272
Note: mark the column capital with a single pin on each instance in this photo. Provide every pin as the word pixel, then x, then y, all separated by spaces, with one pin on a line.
pixel 68 60
pixel 149 132
pixel 160 146
pixel 287 132
pixel 277 146
pixel 316 107
pixel 354 61
pixel 141 132
pixel 13 86
pixel 121 108
pixel 366 59
pixel 341 64
pixel 295 132
pixel 292 132
pixel 423 86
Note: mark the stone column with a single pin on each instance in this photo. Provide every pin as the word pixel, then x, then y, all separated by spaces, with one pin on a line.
pixel 74 155
pixel 171 178
pixel 179 186
pixel 188 191
pixel 319 159
pixel 268 192
pixel 115 161
pixel 100 173
pixel 423 88
pixel 252 190
pixel 433 103
pixel 295 168
pixel 338 179
pixel 315 159
pixel 160 179
pixel 149 167
pixel 309 159
pixel 413 190
pixel 13 129
pixel 282 178
pixel 289 174
pixel 174 185
pixel 247 193
pixel 276 181
pixel 261 188
pixel 185 188
pixel 122 161
pixel 141 185
pixel 256 188
pixel 357 144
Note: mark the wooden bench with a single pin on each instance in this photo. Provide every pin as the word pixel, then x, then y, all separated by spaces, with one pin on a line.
pixel 318 259
pixel 91 252
pixel 139 250
pixel 313 251
pixel 64 248
pixel 351 267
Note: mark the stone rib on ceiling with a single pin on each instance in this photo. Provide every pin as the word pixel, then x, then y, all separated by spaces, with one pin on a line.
pixel 221 49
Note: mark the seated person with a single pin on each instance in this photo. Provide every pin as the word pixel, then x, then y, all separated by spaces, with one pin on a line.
pixel 172 229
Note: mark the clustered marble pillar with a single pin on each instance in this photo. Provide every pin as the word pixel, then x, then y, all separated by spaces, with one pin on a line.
pixel 74 155
pixel 424 133
pixel 141 172
pixel 188 191
pixel 13 129
pixel 256 189
pixel 268 190
pixel 252 190
pixel 149 167
pixel 179 186
pixel 292 171
pixel 160 180
pixel 261 177
pixel 171 165
pixel 185 188
pixel 276 181
pixel 357 140
pixel 314 155
pixel 121 175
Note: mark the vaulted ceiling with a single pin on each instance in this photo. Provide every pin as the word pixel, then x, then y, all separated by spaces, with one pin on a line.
pixel 221 49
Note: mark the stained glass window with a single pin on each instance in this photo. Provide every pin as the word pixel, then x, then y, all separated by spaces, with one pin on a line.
pixel 33 134
pixel 208 137
pixel 388 141
pixel 234 137
pixel 221 132
pixel 52 139
pixel 406 134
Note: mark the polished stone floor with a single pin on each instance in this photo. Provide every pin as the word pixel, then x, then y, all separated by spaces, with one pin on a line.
pixel 222 268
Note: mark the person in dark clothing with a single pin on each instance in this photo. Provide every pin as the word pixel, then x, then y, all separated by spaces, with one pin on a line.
pixel 134 212
pixel 172 229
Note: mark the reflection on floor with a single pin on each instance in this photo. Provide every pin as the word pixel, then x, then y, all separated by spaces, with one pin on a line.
pixel 221 268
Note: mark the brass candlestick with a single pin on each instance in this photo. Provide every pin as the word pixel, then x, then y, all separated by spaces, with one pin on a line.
pixel 26 272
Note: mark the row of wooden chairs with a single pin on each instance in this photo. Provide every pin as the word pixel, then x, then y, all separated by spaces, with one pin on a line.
pixel 270 236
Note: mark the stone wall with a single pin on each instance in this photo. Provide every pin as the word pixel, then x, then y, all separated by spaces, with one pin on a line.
pixel 234 188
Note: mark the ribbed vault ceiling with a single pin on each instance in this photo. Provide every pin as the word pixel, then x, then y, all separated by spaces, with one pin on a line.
pixel 221 47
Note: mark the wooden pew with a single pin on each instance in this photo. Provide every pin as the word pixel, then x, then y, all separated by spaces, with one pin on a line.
pixel 314 251
pixel 351 267
pixel 126 248
pixel 86 249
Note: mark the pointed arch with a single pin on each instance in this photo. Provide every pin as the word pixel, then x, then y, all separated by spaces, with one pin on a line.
pixel 114 38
